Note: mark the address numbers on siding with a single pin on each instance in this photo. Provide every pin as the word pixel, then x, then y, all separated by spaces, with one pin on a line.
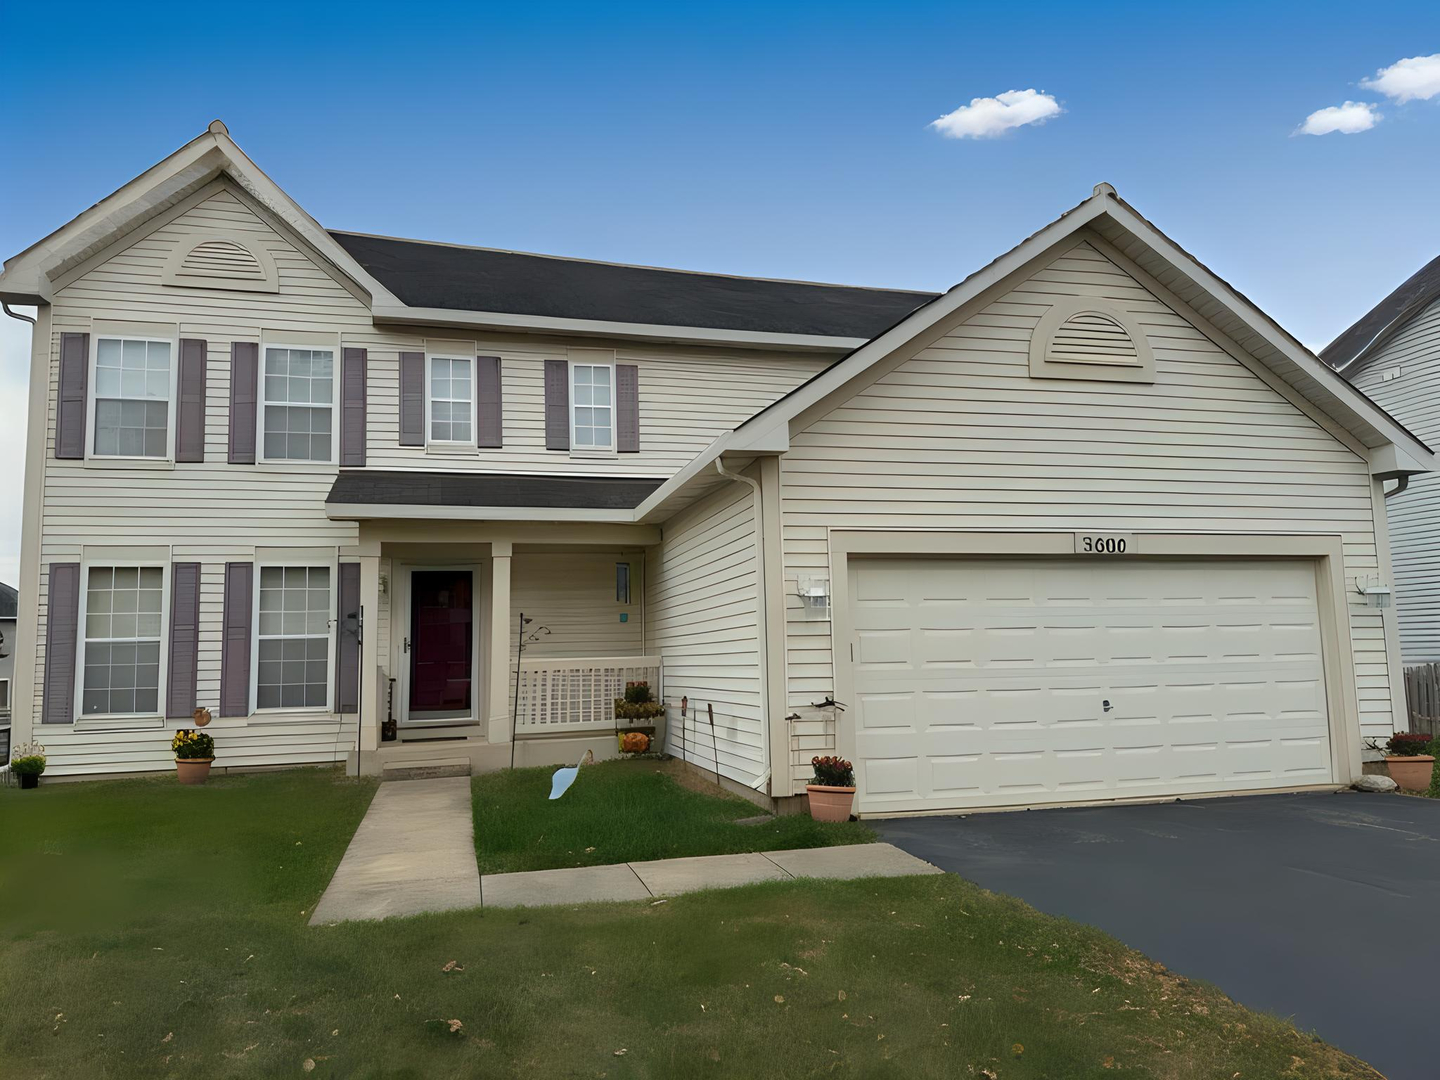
pixel 1087 543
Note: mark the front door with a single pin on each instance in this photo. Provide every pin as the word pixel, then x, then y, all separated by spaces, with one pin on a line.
pixel 442 636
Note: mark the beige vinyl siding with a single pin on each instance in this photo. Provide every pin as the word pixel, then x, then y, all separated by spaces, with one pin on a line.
pixel 214 512
pixel 959 437
pixel 701 619
pixel 1413 398
pixel 573 593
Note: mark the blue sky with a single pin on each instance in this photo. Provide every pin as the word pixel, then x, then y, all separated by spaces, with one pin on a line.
pixel 787 140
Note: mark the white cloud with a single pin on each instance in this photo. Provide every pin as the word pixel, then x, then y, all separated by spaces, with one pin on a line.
pixel 1347 119
pixel 1416 78
pixel 987 117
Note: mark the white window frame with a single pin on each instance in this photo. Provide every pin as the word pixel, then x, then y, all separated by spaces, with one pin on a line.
pixel 606 451
pixel 92 408
pixel 6 708
pixel 262 401
pixel 451 444
pixel 158 716
pixel 332 564
pixel 629 566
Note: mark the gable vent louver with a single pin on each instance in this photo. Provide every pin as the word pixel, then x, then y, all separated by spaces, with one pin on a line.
pixel 222 258
pixel 222 262
pixel 1091 338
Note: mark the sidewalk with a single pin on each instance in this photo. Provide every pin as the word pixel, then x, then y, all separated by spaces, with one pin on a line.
pixel 415 852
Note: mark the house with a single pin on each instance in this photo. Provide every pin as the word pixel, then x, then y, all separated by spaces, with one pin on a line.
pixel 9 611
pixel 1087 526
pixel 1392 353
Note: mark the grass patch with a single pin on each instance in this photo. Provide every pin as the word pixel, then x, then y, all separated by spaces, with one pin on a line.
pixel 152 931
pixel 627 811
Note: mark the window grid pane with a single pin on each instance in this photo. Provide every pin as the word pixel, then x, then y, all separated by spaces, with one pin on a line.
pixel 591 407
pixel 132 398
pixel 451 400
pixel 294 638
pixel 298 391
pixel 122 640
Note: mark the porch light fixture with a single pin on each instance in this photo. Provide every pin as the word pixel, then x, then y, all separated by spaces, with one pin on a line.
pixel 1376 594
pixel 814 594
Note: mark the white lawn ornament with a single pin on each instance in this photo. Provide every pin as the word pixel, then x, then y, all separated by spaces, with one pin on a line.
pixel 563 778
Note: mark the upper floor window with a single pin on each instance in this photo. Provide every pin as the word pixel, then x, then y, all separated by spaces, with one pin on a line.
pixel 134 397
pixel 592 407
pixel 123 621
pixel 297 397
pixel 451 400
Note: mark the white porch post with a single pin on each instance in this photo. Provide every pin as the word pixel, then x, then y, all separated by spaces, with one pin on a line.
pixel 371 703
pixel 497 676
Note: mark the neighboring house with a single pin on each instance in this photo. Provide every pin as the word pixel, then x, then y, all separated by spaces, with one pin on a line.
pixel 1393 354
pixel 9 610
pixel 1086 526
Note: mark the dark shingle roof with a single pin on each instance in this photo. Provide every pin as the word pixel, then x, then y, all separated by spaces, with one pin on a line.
pixel 1414 293
pixel 9 602
pixel 414 488
pixel 423 274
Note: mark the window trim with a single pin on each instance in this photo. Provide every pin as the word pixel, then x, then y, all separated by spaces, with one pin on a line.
pixel 592 451
pixel 332 636
pixel 158 716
pixel 261 401
pixel 92 408
pixel 6 707
pixel 450 444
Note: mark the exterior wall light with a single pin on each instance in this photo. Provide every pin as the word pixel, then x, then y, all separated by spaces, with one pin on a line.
pixel 814 594
pixel 1376 595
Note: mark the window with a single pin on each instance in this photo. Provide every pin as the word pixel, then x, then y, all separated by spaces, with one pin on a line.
pixel 293 666
pixel 622 583
pixel 123 629
pixel 298 396
pixel 132 398
pixel 592 408
pixel 5 698
pixel 452 400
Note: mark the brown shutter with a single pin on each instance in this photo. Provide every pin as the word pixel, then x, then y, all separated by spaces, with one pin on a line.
pixel 347 647
pixel 70 409
pixel 184 639
pixel 557 405
pixel 489 414
pixel 244 384
pixel 235 639
pixel 352 407
pixel 412 399
pixel 190 408
pixel 62 631
pixel 627 408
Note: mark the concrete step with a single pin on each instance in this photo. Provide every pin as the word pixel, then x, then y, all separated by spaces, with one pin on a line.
pixel 425 768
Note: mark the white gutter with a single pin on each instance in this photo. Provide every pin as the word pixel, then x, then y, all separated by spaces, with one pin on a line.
pixel 763 645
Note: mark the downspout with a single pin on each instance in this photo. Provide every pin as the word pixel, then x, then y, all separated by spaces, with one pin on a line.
pixel 763 645
pixel 17 315
pixel 1401 483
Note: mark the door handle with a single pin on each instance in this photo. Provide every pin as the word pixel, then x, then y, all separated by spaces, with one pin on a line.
pixel 407 649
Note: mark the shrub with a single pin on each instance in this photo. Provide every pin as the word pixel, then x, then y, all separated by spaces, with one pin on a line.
pixel 189 745
pixel 1408 744
pixel 27 759
pixel 638 693
pixel 1434 791
pixel 644 710
pixel 833 772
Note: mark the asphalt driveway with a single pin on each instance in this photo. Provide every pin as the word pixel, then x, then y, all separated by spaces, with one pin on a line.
pixel 1322 908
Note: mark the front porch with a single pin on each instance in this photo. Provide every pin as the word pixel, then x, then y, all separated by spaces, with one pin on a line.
pixel 489 647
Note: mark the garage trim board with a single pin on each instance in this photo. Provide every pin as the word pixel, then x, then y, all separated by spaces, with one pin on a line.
pixel 1022 746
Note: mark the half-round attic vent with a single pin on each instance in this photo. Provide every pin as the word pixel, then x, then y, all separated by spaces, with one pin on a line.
pixel 222 262
pixel 1090 338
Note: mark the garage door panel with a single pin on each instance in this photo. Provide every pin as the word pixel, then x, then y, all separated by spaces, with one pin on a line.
pixel 985 682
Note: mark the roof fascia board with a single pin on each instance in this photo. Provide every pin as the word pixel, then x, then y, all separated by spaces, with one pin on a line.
pixel 834 379
pixel 416 512
pixel 1390 462
pixel 399 314
pixel 698 464
pixel 1265 327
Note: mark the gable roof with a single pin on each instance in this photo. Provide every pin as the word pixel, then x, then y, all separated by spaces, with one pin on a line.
pixel 1385 318
pixel 426 274
pixel 379 492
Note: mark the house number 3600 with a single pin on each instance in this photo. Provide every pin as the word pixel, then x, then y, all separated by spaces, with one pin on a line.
pixel 1104 544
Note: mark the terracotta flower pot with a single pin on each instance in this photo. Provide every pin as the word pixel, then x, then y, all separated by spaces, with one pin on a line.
pixel 1410 773
pixel 830 803
pixel 193 770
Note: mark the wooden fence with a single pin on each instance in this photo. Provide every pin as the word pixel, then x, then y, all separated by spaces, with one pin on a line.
pixel 1422 697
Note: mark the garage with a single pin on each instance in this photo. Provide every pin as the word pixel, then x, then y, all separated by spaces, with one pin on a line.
pixel 1028 681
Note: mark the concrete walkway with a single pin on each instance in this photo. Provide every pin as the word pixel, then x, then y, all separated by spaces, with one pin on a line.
pixel 415 852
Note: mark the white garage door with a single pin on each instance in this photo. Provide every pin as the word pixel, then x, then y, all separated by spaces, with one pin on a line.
pixel 1018 682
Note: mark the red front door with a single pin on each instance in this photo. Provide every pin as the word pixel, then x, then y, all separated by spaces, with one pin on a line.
pixel 442 624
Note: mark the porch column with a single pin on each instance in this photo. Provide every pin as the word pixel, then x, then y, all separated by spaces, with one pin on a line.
pixel 497 675
pixel 372 704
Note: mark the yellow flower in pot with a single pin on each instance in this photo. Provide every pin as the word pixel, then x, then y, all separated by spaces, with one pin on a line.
pixel 194 754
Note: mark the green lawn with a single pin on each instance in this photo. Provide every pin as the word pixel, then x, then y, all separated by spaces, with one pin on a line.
pixel 627 811
pixel 152 931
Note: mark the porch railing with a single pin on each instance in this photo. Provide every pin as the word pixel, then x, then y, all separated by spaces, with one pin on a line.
pixel 558 696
